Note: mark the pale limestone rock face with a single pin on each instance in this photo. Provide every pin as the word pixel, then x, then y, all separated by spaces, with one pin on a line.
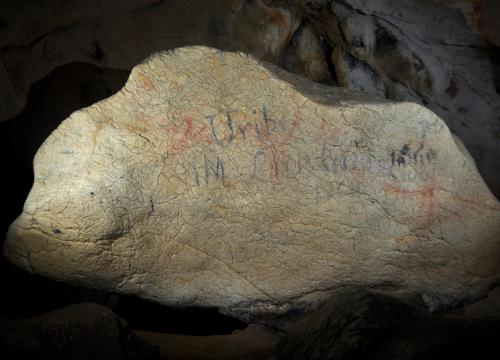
pixel 212 179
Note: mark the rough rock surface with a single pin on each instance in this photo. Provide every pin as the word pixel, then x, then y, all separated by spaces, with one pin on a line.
pixel 78 332
pixel 363 324
pixel 212 179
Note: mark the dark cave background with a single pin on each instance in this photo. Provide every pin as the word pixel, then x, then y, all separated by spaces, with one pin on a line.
pixel 75 82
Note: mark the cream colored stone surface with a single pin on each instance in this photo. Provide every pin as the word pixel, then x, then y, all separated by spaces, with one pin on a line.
pixel 215 180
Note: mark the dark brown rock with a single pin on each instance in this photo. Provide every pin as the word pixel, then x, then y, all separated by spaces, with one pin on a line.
pixel 77 332
pixel 305 56
pixel 364 324
pixel 256 342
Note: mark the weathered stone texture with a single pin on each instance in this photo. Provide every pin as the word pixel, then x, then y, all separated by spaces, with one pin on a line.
pixel 366 324
pixel 78 332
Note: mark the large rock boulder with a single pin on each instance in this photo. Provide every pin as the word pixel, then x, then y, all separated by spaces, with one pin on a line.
pixel 77 332
pixel 212 179
pixel 365 324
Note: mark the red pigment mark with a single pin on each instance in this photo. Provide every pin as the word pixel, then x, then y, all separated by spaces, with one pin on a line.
pixel 145 82
pixel 426 190
pixel 272 144
pixel 289 136
pixel 191 135
pixel 271 137
pixel 425 196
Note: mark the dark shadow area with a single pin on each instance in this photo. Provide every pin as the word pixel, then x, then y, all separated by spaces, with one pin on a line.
pixel 146 315
pixel 357 323
pixel 495 61
pixel 51 100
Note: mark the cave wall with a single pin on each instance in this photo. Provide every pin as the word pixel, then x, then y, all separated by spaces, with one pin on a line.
pixel 49 102
pixel 440 53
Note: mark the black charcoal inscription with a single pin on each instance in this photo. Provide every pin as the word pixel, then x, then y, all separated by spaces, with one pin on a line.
pixel 196 176
pixel 214 168
pixel 229 125
pixel 416 155
pixel 243 130
pixel 258 158
pixel 417 152
pixel 431 154
pixel 229 122
pixel 270 124
pixel 345 161
pixel 257 131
